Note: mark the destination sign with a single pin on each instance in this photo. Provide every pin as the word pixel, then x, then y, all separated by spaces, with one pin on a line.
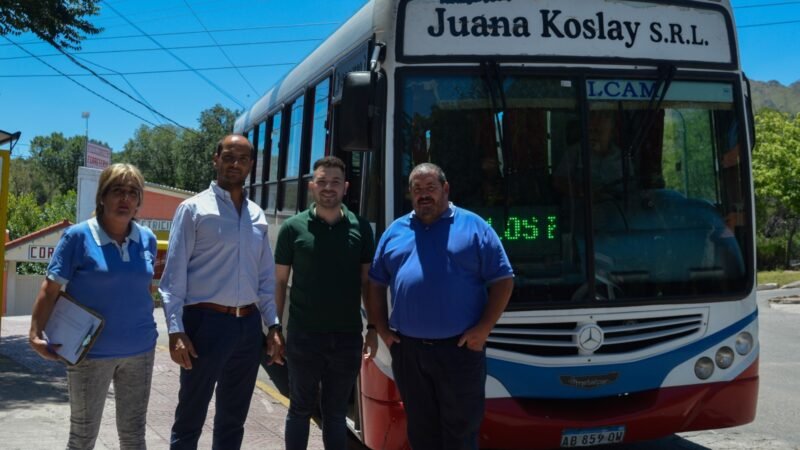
pixel 565 28
pixel 522 228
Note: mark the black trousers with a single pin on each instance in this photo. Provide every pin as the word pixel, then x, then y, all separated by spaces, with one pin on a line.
pixel 443 391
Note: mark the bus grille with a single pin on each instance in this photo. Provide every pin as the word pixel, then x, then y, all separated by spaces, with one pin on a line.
pixel 615 333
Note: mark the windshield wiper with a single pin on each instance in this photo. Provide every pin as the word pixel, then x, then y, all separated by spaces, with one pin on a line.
pixel 666 73
pixel 491 80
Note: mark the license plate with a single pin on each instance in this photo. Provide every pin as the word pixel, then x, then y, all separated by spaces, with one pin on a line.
pixel 585 437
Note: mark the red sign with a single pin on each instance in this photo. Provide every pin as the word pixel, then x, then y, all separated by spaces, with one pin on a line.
pixel 97 156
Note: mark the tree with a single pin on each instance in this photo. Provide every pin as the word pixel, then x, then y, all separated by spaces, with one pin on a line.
pixel 60 23
pixel 59 157
pixel 179 158
pixel 24 215
pixel 193 168
pixel 776 175
pixel 25 176
pixel 60 207
pixel 154 152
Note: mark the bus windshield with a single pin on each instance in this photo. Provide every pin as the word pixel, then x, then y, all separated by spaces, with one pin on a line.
pixel 601 190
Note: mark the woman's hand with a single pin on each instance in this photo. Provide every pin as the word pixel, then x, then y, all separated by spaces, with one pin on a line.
pixel 45 350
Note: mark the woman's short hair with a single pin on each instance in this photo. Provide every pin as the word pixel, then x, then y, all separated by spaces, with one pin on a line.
pixel 115 174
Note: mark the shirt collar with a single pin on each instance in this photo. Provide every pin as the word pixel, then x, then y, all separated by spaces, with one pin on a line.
pixel 102 238
pixel 312 211
pixel 219 191
pixel 448 213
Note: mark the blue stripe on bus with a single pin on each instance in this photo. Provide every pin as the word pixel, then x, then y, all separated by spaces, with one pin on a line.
pixel 523 380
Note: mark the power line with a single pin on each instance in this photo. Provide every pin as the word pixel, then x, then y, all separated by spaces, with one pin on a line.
pixel 764 5
pixel 125 79
pixel 768 24
pixel 149 72
pixel 211 36
pixel 181 33
pixel 182 47
pixel 88 88
pixel 214 85
pixel 115 87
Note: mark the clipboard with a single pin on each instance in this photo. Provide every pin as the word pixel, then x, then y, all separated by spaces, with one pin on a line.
pixel 74 326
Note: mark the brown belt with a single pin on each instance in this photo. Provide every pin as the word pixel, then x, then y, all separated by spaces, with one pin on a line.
pixel 238 311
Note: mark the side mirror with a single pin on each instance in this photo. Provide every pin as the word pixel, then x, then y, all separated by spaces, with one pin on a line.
pixel 357 113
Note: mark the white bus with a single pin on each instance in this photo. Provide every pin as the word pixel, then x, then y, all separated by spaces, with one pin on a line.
pixel 634 309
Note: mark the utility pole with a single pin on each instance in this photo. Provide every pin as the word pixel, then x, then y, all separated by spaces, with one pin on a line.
pixel 85 115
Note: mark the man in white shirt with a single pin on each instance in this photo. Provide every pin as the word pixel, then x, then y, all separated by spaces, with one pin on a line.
pixel 217 288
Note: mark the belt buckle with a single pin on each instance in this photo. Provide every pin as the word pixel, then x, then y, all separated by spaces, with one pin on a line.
pixel 239 308
pixel 427 342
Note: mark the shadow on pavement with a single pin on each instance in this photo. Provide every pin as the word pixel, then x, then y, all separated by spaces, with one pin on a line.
pixel 21 388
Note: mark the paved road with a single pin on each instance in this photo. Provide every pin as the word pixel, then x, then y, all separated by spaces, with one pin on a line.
pixel 776 424
pixel 34 405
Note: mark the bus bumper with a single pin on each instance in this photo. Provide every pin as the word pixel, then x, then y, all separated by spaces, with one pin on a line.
pixel 538 423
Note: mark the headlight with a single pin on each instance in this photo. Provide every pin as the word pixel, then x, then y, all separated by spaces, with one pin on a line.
pixel 704 367
pixel 724 357
pixel 744 343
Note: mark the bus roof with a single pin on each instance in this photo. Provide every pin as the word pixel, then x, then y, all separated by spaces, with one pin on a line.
pixel 378 16
pixel 348 36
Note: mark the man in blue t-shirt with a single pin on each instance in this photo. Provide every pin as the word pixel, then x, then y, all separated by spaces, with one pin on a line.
pixel 450 281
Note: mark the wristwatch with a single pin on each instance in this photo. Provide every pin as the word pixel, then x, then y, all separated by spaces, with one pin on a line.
pixel 276 326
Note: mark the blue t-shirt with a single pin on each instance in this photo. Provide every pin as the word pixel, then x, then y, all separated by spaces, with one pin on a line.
pixel 112 280
pixel 438 274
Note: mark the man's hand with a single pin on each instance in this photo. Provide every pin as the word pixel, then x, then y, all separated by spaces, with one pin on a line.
pixel 370 344
pixel 275 347
pixel 474 338
pixel 181 350
pixel 45 350
pixel 389 337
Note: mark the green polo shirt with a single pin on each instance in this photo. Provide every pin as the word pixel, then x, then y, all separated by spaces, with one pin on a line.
pixel 326 269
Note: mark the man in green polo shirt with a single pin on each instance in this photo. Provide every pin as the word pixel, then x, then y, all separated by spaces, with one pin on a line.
pixel 328 251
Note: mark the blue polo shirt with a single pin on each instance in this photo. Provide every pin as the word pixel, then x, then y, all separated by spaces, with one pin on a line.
pixel 438 274
pixel 113 280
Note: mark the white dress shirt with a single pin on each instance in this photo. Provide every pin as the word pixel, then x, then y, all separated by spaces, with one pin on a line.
pixel 217 255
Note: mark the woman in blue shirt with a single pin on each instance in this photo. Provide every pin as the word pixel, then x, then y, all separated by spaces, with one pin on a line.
pixel 106 264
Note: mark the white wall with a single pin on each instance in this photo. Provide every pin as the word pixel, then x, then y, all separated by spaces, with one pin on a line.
pixel 21 293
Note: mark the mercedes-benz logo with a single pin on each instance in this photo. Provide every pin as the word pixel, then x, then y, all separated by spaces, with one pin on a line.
pixel 590 337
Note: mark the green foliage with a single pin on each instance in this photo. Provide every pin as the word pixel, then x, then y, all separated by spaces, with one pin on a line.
pixel 59 158
pixel 58 22
pixel 153 151
pixel 776 168
pixel 770 252
pixel 61 207
pixel 24 215
pixel 170 156
pixel 194 170
pixel 779 277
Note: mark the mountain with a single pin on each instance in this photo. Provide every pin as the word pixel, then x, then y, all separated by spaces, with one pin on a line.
pixel 773 95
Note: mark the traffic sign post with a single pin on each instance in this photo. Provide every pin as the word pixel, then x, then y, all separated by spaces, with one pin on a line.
pixel 5 161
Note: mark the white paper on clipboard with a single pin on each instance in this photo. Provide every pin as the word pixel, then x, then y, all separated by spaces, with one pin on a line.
pixel 72 326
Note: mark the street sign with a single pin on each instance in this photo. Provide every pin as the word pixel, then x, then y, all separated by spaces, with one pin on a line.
pixel 97 156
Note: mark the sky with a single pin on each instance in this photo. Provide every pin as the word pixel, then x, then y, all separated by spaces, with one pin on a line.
pixel 175 56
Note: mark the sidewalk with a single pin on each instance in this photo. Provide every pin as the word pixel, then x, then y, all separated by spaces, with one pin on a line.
pixel 34 405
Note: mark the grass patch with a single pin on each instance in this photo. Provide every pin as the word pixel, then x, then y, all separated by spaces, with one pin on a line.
pixel 780 277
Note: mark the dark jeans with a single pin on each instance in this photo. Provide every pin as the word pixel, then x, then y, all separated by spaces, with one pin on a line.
pixel 324 366
pixel 228 350
pixel 443 391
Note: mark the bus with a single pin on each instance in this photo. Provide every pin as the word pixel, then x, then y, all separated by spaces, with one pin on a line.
pixel 634 314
